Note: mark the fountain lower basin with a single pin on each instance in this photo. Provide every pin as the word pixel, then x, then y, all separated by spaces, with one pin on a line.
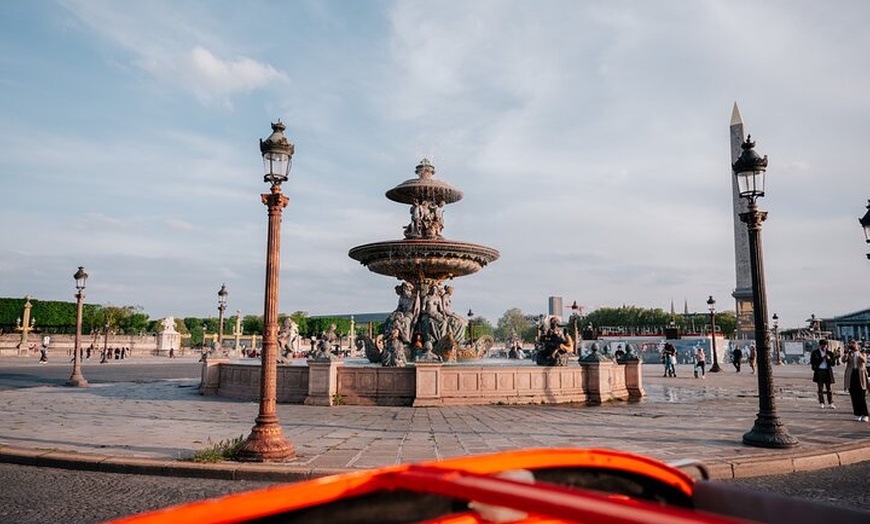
pixel 330 383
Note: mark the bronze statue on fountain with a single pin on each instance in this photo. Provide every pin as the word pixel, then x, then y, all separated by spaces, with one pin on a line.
pixel 423 260
pixel 554 344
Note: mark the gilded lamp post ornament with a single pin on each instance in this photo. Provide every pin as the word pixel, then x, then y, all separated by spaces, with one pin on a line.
pixel 266 443
pixel 26 327
pixel 768 430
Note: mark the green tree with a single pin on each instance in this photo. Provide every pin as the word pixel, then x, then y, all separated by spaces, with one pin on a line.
pixel 513 321
pixel 252 324
pixel 482 326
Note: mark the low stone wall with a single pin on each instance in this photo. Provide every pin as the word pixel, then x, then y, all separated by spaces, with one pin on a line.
pixel 62 345
pixel 426 384
pixel 242 381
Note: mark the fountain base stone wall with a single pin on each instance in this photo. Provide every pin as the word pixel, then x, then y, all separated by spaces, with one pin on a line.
pixel 329 383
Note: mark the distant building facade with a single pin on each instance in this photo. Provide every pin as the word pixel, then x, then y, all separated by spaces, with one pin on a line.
pixel 555 306
pixel 851 326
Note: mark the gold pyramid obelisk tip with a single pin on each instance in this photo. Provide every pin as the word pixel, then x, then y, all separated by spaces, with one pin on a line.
pixel 735 115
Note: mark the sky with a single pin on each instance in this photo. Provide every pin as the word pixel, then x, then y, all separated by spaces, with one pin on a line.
pixel 590 139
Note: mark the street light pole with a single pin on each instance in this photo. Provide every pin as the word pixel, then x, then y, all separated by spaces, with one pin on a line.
pixel 222 306
pixel 77 379
pixel 266 443
pixel 470 327
pixel 768 430
pixel 776 347
pixel 576 309
pixel 711 303
pixel 865 223
pixel 105 356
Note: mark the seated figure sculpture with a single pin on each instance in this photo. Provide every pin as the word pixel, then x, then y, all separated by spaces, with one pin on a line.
pixel 432 319
pixel 554 345
pixel 454 322
pixel 394 352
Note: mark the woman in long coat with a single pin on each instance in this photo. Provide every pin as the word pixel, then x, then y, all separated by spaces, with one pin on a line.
pixel 856 381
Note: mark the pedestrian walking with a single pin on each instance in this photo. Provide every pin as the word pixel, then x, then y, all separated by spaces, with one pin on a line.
pixel 753 354
pixel 855 381
pixel 737 358
pixel 700 362
pixel 822 362
pixel 669 357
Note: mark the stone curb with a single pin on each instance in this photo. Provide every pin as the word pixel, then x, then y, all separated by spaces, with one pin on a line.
pixel 743 467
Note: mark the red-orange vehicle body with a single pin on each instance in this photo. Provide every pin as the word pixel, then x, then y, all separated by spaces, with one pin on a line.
pixel 568 485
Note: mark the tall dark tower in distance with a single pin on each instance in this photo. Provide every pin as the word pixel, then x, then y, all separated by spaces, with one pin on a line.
pixel 743 290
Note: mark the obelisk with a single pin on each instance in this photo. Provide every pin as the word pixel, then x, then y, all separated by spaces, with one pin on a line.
pixel 743 290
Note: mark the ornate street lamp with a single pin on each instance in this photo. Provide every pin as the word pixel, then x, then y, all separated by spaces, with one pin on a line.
pixel 266 443
pixel 470 327
pixel 77 379
pixel 711 304
pixel 865 223
pixel 576 309
pixel 768 431
pixel 222 306
pixel 776 348
pixel 104 358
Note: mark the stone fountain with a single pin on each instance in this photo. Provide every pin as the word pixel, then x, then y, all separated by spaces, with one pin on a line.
pixel 424 326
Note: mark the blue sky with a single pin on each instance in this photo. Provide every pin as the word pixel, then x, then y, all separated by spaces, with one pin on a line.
pixel 590 140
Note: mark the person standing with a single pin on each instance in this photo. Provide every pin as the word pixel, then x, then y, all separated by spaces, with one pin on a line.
pixel 855 381
pixel 669 356
pixel 737 358
pixel 753 354
pixel 700 362
pixel 822 362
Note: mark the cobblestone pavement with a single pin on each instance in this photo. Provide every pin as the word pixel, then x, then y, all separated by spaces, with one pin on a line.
pixel 50 495
pixel 679 418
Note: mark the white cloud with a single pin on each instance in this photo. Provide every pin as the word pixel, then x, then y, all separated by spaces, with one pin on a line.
pixel 177 50
pixel 211 78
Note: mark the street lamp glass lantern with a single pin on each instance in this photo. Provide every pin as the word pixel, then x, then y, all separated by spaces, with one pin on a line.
pixel 81 277
pixel 750 171
pixel 711 303
pixel 277 154
pixel 865 223
pixel 222 295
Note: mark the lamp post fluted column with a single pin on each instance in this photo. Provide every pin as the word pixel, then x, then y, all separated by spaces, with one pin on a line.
pixel 768 430
pixel 267 443
pixel 77 379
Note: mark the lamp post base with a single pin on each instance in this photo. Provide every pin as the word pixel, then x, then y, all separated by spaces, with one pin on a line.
pixel 77 381
pixel 769 432
pixel 715 368
pixel 266 443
